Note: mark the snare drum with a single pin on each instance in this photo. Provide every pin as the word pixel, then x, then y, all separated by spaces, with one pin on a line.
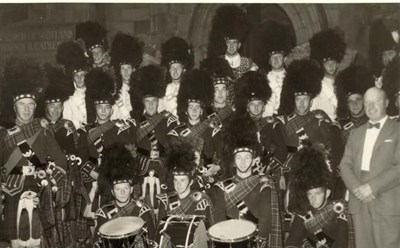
pixel 122 232
pixel 233 233
pixel 181 231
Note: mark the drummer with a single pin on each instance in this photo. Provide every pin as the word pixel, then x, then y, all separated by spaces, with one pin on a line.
pixel 245 196
pixel 118 174
pixel 182 200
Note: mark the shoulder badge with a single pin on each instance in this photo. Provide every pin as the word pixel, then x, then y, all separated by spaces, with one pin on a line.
pixel 173 133
pixel 290 117
pixel 13 130
pixel 281 119
pixel 101 213
pixel 215 131
pixel 131 121
pixel 144 209
pixel 163 198
pixel 202 205
pixel 342 216
pixel 171 120
pixel 69 126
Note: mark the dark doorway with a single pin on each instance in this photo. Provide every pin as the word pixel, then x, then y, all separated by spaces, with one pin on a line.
pixel 259 15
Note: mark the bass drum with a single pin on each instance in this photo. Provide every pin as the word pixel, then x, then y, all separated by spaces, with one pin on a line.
pixel 233 233
pixel 122 232
pixel 182 231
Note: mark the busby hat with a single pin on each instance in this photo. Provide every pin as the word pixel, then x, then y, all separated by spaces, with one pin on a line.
pixel 117 166
pixel 352 80
pixel 309 170
pixel 22 78
pixel 100 87
pixel 239 135
pixel 181 158
pixel 148 81
pixel 275 39
pixel 303 77
pixel 229 22
pixel 71 55
pixel 328 45
pixel 177 50
pixel 196 86
pixel 126 49
pixel 218 69
pixel 253 85
pixel 92 33
pixel 380 40
pixel 58 87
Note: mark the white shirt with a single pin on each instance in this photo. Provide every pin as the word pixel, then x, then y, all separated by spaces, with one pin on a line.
pixel 122 106
pixel 233 61
pixel 369 143
pixel 275 82
pixel 75 108
pixel 169 101
pixel 326 100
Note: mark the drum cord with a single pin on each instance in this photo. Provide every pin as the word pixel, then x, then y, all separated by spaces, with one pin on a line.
pixel 190 228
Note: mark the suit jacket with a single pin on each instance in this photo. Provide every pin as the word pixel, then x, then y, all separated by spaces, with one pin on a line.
pixel 384 174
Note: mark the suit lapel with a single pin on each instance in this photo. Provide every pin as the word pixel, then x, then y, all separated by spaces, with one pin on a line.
pixel 386 129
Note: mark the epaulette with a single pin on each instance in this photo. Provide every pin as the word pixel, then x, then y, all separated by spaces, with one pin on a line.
pixel 122 125
pixel 281 118
pixel 203 204
pixel 171 120
pixel 163 198
pixel 143 209
pixel 180 131
pixel 290 117
pixel 131 121
pixel 101 213
pixel 215 131
pixel 13 130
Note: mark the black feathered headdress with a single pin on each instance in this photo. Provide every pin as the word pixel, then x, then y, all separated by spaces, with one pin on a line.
pixel 239 135
pixel 117 166
pixel 251 86
pixel 229 22
pixel 177 50
pixel 125 49
pixel 92 33
pixel 352 80
pixel 328 45
pixel 303 77
pixel 100 87
pixel 147 81
pixel 22 78
pixel 71 55
pixel 218 69
pixel 196 86
pixel 309 170
pixel 275 39
pixel 181 159
pixel 380 40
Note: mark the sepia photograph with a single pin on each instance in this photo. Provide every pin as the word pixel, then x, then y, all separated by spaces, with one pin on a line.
pixel 199 124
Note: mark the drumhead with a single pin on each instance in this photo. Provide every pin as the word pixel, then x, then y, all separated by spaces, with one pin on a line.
pixel 232 231
pixel 121 227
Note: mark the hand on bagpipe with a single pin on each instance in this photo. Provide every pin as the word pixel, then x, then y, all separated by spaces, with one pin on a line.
pixel 50 174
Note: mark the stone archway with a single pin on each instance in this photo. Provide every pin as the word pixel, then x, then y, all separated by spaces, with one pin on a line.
pixel 306 20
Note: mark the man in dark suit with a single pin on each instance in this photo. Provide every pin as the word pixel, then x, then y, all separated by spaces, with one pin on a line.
pixel 370 169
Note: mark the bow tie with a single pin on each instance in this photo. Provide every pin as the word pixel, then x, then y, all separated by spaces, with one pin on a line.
pixel 376 125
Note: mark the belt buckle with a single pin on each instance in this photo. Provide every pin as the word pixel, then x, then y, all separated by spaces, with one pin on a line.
pixel 28 170
pixel 154 155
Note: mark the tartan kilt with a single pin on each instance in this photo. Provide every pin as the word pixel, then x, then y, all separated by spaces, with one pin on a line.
pixel 9 227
